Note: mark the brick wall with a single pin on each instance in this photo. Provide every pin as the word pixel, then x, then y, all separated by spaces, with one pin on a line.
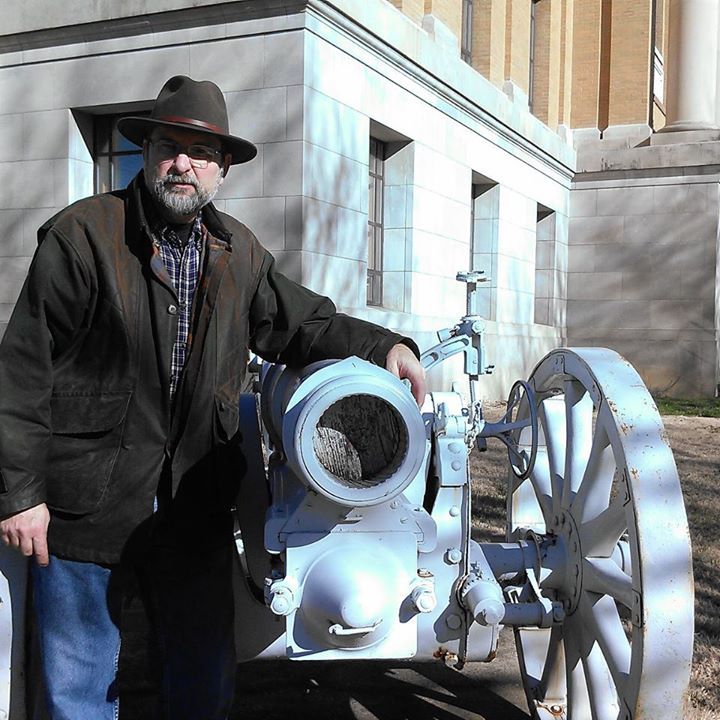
pixel 592 60
pixel 488 39
pixel 414 9
pixel 517 43
pixel 448 12
pixel 584 85
pixel 547 61
pixel 630 64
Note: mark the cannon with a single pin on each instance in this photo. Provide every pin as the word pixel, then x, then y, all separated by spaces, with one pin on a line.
pixel 360 545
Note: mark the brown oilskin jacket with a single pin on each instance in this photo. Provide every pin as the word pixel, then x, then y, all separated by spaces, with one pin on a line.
pixel 86 422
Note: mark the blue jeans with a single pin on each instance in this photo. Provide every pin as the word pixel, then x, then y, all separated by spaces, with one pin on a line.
pixel 190 604
pixel 78 638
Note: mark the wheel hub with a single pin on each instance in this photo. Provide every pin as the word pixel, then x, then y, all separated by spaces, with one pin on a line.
pixel 569 548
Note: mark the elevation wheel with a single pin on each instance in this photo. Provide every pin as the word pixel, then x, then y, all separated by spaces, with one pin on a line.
pixel 604 498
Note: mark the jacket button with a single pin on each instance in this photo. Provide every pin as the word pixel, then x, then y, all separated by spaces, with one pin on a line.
pixel 172 309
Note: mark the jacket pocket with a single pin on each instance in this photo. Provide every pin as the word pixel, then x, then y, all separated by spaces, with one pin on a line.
pixel 86 436
pixel 226 419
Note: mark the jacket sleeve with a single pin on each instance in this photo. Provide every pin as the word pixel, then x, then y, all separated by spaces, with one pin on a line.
pixel 50 310
pixel 295 326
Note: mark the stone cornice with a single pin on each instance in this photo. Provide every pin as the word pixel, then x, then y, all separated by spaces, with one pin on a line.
pixel 110 28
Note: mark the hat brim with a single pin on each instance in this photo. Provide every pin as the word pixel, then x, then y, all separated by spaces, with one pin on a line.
pixel 137 129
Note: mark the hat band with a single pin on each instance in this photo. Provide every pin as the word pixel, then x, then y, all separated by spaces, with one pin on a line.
pixel 191 121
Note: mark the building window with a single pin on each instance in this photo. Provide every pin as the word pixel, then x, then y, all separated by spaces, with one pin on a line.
pixel 658 77
pixel 376 188
pixel 117 160
pixel 658 82
pixel 485 219
pixel 466 41
pixel 548 282
pixel 532 58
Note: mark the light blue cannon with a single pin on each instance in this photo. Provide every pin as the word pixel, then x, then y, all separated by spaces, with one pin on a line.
pixel 360 546
pixel 354 531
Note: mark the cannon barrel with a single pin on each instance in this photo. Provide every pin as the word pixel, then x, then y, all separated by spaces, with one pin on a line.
pixel 349 430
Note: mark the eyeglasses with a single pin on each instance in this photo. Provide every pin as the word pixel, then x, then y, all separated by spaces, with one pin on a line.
pixel 200 156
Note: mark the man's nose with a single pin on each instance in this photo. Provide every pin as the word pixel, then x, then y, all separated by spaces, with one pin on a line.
pixel 182 163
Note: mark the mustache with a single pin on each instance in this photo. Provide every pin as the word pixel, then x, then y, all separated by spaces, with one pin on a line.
pixel 186 179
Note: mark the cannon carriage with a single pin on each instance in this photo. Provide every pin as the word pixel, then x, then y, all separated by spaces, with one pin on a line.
pixel 360 546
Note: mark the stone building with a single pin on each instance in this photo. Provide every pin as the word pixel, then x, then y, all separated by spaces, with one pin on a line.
pixel 569 148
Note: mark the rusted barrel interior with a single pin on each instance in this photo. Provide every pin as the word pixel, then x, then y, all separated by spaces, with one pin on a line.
pixel 361 440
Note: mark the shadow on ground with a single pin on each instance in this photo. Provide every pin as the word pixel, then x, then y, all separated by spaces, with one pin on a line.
pixel 362 690
pixel 381 690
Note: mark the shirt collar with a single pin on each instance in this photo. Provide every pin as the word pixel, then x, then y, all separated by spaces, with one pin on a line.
pixel 166 233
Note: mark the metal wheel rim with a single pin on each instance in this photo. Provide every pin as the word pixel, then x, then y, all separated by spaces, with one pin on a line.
pixel 601 427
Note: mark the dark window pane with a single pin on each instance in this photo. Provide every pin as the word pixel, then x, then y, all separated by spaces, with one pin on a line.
pixel 125 169
pixel 379 190
pixel 466 39
pixel 117 160
pixel 375 222
pixel 120 143
pixel 102 135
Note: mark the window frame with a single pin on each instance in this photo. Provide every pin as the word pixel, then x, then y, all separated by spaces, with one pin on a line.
pixel 106 156
pixel 466 31
pixel 376 225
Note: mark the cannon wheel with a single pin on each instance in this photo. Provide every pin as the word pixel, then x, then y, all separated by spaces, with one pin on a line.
pixel 604 498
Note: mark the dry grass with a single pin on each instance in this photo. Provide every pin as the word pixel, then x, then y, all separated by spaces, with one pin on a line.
pixel 696 444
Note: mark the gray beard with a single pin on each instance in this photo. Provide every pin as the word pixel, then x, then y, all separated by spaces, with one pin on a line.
pixel 179 204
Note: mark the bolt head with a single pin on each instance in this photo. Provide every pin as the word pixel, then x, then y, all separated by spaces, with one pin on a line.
pixel 453 621
pixel 425 601
pixel 280 603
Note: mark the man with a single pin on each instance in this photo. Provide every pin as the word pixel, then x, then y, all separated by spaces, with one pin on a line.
pixel 120 372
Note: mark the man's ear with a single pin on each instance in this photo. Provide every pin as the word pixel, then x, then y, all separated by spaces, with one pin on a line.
pixel 226 165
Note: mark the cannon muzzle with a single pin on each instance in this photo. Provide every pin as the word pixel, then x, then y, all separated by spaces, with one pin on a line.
pixel 349 430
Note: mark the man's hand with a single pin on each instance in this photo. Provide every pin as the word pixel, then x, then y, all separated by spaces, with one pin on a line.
pixel 402 363
pixel 27 531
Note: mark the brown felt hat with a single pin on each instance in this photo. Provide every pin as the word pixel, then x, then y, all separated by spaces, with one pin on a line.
pixel 190 105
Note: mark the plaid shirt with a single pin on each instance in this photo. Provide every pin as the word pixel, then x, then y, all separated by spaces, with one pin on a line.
pixel 183 267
